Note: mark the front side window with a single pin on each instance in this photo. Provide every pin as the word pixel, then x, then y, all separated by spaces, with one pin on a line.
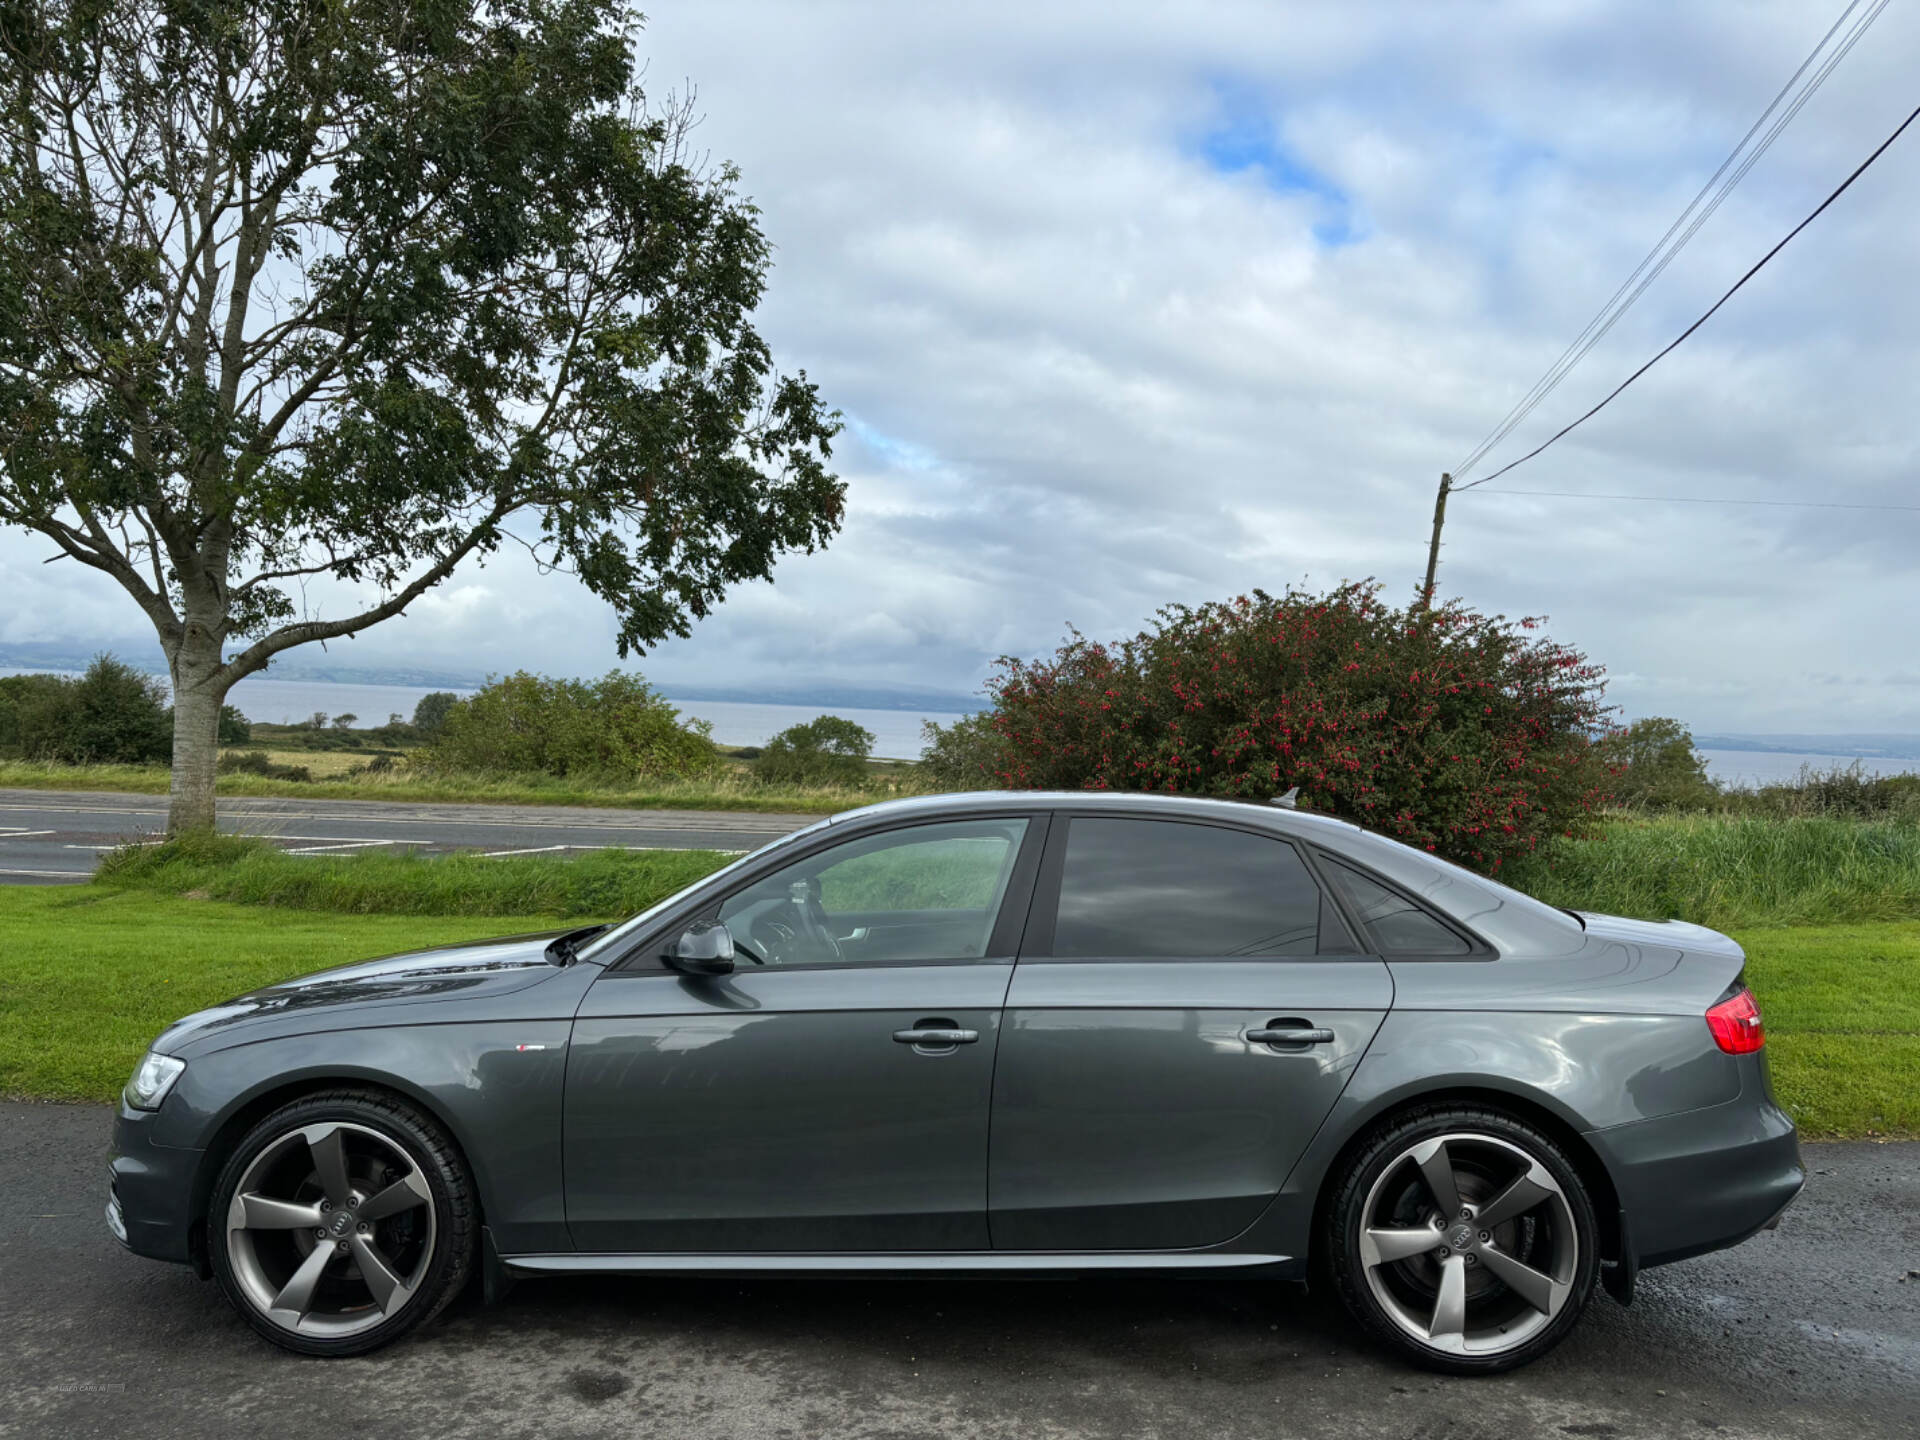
pixel 1394 925
pixel 1137 889
pixel 926 893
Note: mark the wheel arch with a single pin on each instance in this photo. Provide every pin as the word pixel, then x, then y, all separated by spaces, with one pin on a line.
pixel 250 1109
pixel 1527 1105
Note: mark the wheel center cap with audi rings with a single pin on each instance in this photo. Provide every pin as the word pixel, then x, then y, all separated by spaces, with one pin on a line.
pixel 341 1223
pixel 1461 1238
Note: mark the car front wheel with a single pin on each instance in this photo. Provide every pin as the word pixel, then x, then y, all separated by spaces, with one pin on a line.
pixel 1463 1238
pixel 342 1221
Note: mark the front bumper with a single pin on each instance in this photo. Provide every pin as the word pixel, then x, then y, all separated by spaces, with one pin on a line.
pixel 150 1190
pixel 1703 1179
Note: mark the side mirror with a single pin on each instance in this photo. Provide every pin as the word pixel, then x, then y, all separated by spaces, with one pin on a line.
pixel 705 948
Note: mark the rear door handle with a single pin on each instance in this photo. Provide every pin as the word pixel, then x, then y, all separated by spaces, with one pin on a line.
pixel 1290 1035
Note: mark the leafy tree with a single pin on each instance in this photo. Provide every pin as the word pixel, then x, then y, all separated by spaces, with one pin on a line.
pixel 235 728
pixel 617 726
pixel 430 715
pixel 828 750
pixel 345 722
pixel 113 714
pixel 1655 765
pixel 362 290
pixel 1460 733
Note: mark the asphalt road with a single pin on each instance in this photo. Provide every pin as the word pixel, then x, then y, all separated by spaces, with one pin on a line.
pixel 56 837
pixel 1810 1331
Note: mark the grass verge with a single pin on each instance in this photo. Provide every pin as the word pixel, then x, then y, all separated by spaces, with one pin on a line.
pixel 245 871
pixel 733 789
pixel 92 975
pixel 1732 872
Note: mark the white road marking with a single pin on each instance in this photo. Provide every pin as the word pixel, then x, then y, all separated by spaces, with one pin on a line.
pixel 540 850
pixel 343 845
pixel 12 834
pixel 66 874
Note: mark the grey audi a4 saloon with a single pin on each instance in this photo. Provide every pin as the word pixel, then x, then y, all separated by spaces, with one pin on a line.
pixel 988 1033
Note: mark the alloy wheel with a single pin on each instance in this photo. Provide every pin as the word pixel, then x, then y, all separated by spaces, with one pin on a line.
pixel 331 1230
pixel 1469 1244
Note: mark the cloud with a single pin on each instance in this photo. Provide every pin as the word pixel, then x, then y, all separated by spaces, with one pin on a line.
pixel 1134 303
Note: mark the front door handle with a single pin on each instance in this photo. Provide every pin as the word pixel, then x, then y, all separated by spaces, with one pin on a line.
pixel 1291 1035
pixel 930 1036
pixel 935 1035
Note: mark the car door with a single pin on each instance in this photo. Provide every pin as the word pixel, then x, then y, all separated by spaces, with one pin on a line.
pixel 1187 1006
pixel 832 1093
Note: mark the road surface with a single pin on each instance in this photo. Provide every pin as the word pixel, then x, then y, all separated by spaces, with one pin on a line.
pixel 1810 1332
pixel 56 837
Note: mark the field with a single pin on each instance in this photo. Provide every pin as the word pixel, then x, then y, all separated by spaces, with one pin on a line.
pixel 732 789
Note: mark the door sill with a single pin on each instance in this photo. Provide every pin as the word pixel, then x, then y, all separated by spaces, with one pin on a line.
pixel 983 1262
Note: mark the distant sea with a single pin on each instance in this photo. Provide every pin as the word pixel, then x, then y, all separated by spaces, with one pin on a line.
pixel 896 733
pixel 1748 768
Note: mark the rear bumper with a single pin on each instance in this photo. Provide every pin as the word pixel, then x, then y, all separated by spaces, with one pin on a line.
pixel 1704 1179
pixel 150 1190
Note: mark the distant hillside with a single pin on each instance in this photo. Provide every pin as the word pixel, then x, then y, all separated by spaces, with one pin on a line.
pixel 1877 746
pixel 831 697
pixel 145 655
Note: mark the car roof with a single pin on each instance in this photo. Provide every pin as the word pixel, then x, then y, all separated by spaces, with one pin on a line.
pixel 1164 807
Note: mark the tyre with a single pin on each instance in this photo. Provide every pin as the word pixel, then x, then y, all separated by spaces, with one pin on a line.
pixel 1462 1238
pixel 342 1221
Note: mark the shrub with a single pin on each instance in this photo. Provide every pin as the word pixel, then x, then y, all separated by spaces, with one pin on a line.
pixel 258 762
pixel 963 755
pixel 235 728
pixel 1655 767
pixel 1453 731
pixel 616 726
pixel 430 715
pixel 823 751
pixel 111 715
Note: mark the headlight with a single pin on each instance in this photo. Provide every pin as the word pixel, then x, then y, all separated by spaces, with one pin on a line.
pixel 152 1081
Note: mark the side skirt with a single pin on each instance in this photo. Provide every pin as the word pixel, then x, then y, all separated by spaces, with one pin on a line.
pixel 976 1262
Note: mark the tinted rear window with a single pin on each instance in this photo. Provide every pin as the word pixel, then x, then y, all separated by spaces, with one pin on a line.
pixel 1135 889
pixel 1394 924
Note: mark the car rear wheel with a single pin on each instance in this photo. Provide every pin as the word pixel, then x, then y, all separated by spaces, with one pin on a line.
pixel 1463 1238
pixel 342 1221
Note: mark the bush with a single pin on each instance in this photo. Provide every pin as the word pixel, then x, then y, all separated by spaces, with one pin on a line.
pixel 258 762
pixel 1453 731
pixel 112 715
pixel 1840 791
pixel 235 728
pixel 430 715
pixel 963 755
pixel 616 727
pixel 823 751
pixel 1655 767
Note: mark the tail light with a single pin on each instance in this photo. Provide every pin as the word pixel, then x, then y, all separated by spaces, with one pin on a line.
pixel 1736 1026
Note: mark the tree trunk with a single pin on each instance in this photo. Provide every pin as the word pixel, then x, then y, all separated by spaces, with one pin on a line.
pixel 197 698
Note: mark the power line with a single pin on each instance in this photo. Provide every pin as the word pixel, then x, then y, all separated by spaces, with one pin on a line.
pixel 1654 264
pixel 1700 500
pixel 1844 185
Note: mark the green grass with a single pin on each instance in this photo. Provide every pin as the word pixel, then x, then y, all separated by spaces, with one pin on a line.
pixel 731 789
pixel 1729 872
pixel 599 884
pixel 1842 1006
pixel 91 975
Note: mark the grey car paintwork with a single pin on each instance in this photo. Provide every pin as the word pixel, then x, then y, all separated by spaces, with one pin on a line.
pixel 1598 1029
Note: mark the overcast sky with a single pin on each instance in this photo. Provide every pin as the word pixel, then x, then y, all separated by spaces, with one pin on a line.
pixel 1133 303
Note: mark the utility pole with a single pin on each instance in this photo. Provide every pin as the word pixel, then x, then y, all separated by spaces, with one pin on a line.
pixel 1433 547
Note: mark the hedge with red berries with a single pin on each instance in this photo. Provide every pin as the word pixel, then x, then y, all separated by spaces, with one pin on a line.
pixel 1465 734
